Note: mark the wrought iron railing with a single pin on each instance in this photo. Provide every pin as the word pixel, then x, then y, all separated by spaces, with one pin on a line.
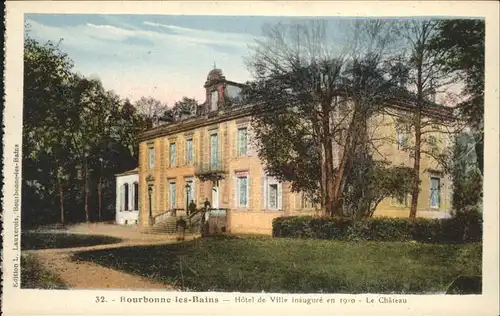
pixel 210 168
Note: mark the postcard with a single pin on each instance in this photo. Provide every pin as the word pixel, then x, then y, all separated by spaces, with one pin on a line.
pixel 251 158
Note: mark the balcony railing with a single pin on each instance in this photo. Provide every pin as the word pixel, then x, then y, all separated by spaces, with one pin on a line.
pixel 210 169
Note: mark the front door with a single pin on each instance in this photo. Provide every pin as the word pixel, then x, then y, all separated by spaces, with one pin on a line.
pixel 215 196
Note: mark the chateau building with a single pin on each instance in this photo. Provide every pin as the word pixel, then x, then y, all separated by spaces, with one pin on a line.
pixel 210 156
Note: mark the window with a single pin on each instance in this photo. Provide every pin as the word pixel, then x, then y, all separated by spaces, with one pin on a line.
pixel 242 141
pixel 172 155
pixel 402 138
pixel 272 197
pixel 435 192
pixel 171 193
pixel 306 202
pixel 432 145
pixel 189 151
pixel 151 152
pixel 242 191
pixel 136 196
pixel 214 148
pixel 125 196
pixel 191 193
pixel 214 98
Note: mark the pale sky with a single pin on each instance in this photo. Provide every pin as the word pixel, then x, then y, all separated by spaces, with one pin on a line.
pixel 163 56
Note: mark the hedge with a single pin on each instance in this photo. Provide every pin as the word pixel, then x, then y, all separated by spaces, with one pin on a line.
pixel 464 227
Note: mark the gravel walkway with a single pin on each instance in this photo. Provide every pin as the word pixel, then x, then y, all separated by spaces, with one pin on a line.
pixel 87 275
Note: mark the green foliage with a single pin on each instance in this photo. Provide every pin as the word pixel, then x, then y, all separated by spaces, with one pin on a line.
pixel 368 182
pixel 465 227
pixel 70 122
pixel 281 265
pixel 35 276
pixel 184 108
pixel 467 180
pixel 461 49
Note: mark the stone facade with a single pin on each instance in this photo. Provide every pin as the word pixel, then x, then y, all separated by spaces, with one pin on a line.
pixel 204 153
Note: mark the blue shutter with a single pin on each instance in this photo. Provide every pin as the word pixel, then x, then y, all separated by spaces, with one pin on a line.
pixel 244 191
pixel 189 151
pixel 151 158
pixel 435 192
pixel 244 141
pixel 213 151
pixel 172 155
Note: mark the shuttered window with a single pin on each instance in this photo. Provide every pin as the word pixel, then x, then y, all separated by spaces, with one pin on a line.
pixel 214 147
pixel 242 141
pixel 242 191
pixel 435 192
pixel 172 155
pixel 172 194
pixel 189 151
pixel 151 152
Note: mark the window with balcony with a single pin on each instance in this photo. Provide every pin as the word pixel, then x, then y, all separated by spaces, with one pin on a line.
pixel 189 151
pixel 172 155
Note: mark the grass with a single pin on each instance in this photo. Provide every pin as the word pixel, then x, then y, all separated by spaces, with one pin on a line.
pixel 45 240
pixel 297 266
pixel 35 276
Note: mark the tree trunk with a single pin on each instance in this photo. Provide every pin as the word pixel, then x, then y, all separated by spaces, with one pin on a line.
pixel 329 175
pixel 416 168
pixel 61 199
pixel 418 141
pixel 86 191
pixel 99 197
pixel 323 182
pixel 327 170
pixel 345 161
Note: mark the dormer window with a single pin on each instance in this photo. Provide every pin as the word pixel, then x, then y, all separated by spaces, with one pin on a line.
pixel 214 99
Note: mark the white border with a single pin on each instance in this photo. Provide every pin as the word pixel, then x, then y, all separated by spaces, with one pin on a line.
pixel 81 302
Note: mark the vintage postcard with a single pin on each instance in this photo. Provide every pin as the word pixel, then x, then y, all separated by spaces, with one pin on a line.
pixel 251 158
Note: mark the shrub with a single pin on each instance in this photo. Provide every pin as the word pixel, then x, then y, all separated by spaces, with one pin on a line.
pixel 464 227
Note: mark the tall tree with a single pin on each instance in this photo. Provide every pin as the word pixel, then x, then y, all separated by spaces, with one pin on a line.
pixel 76 135
pixel 151 108
pixel 182 109
pixel 460 47
pixel 313 99
pixel 47 87
pixel 425 75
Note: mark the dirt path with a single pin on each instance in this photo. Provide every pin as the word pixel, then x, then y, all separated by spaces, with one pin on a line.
pixel 88 275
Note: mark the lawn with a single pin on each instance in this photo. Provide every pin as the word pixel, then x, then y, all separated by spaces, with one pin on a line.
pixel 46 240
pixel 35 276
pixel 297 266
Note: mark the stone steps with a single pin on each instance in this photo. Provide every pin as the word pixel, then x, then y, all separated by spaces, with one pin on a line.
pixel 168 226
